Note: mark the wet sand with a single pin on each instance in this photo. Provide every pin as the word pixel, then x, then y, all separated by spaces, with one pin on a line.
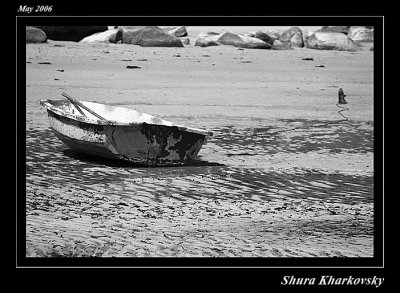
pixel 285 175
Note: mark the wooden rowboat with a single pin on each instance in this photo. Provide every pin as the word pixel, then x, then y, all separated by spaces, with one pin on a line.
pixel 123 133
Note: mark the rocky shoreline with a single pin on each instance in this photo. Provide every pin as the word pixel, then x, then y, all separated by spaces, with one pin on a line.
pixel 326 38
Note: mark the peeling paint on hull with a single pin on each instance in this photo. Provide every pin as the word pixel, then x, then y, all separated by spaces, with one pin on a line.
pixel 140 143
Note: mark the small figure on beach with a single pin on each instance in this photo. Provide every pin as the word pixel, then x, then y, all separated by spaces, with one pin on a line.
pixel 341 97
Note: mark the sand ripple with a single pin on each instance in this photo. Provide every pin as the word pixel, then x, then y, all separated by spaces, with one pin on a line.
pixel 233 202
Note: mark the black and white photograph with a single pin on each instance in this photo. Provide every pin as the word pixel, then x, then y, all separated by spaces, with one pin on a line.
pixel 165 139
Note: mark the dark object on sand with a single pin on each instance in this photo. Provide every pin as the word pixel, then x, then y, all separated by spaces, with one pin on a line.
pixel 308 59
pixel 341 97
pixel 121 133
pixel 132 66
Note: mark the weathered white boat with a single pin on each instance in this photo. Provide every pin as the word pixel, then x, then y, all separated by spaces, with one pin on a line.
pixel 123 133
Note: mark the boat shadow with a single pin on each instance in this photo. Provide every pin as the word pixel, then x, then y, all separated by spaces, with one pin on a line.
pixel 87 158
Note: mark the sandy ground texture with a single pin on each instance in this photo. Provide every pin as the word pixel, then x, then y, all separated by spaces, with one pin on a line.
pixel 285 174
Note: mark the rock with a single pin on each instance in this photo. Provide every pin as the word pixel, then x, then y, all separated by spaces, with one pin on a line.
pixel 274 33
pixel 204 42
pixel 150 36
pixel 117 37
pixel 268 38
pixel 185 41
pixel 297 40
pixel 294 35
pixel 250 34
pixel 336 29
pixel 106 36
pixel 207 39
pixel 167 29
pixel 361 34
pixel 178 32
pixel 122 30
pixel 307 35
pixel 279 45
pixel 210 34
pixel 325 40
pixel 70 33
pixel 35 35
pixel 129 28
pixel 242 41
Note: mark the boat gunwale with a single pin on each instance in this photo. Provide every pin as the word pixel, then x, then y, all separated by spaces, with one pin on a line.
pixel 54 109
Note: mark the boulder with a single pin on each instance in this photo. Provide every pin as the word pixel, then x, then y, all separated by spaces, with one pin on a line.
pixel 336 29
pixel 279 45
pixel 121 30
pixel 35 35
pixel 150 36
pixel 211 35
pixel 115 38
pixel 242 41
pixel 325 40
pixel 273 33
pixel 129 28
pixel 185 41
pixel 361 34
pixel 250 34
pixel 204 42
pixel 307 35
pixel 168 28
pixel 268 38
pixel 294 35
pixel 107 36
pixel 289 33
pixel 178 32
pixel 71 33
pixel 297 40
pixel 206 39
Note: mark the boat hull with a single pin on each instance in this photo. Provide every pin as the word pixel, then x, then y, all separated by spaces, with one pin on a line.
pixel 140 143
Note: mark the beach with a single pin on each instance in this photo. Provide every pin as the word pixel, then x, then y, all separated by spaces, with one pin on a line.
pixel 287 173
